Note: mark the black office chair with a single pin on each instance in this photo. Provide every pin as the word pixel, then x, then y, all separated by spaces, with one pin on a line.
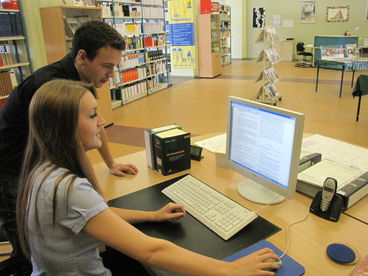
pixel 300 51
pixel 360 89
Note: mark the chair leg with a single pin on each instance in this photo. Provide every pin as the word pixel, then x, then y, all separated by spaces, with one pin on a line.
pixel 358 109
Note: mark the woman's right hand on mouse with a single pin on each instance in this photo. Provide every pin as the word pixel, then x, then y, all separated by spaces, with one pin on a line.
pixel 255 264
pixel 170 211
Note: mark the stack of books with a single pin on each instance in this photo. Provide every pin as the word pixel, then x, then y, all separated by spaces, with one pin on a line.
pixel 167 149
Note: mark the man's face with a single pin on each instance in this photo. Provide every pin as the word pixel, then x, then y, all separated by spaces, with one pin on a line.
pixel 101 68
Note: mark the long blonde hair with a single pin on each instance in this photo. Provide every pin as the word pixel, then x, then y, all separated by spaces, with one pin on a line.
pixel 53 142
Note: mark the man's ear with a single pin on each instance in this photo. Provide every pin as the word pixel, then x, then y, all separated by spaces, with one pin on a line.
pixel 81 57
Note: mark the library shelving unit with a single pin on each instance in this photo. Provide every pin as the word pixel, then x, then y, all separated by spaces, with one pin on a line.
pixel 209 45
pixel 225 20
pixel 14 56
pixel 58 25
pixel 168 42
pixel 144 66
pixel 268 76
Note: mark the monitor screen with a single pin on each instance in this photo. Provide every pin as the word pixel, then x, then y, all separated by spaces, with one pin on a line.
pixel 263 144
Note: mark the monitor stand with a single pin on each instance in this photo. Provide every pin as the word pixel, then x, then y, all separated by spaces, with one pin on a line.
pixel 257 193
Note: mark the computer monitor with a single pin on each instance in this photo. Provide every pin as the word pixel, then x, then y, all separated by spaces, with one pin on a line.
pixel 263 144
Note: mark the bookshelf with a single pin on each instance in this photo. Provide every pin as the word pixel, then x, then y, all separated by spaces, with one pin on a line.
pixel 14 56
pixel 58 38
pixel 225 21
pixel 144 68
pixel 209 45
pixel 55 27
pixel 267 76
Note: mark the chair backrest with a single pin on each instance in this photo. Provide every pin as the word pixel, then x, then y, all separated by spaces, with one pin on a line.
pixel 300 46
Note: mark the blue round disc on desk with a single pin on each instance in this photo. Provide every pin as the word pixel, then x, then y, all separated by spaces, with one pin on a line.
pixel 341 253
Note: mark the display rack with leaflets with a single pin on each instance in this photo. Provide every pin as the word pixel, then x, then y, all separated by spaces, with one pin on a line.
pixel 144 66
pixel 268 76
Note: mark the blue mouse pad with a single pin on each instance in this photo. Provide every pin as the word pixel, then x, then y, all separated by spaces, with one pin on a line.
pixel 289 266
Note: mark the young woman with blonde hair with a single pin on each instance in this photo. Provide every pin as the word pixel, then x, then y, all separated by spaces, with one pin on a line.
pixel 62 219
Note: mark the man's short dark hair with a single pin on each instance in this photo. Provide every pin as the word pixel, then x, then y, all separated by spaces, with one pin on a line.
pixel 93 35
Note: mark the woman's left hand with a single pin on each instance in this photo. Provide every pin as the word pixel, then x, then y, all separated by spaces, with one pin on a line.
pixel 170 211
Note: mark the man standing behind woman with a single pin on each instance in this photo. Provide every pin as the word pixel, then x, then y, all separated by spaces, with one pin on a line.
pixel 62 218
pixel 97 49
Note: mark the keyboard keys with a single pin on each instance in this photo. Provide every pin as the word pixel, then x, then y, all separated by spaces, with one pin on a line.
pixel 216 211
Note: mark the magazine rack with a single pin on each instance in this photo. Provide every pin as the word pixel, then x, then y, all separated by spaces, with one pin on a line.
pixel 268 76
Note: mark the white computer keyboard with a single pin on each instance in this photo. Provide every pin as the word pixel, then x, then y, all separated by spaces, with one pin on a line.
pixel 216 211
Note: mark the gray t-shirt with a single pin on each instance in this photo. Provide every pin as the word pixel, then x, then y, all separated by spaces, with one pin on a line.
pixel 63 248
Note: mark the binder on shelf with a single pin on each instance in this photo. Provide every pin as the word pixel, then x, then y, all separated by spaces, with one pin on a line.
pixel 148 142
pixel 172 151
pixel 352 181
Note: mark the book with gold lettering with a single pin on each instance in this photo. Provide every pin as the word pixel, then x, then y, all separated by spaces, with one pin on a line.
pixel 171 151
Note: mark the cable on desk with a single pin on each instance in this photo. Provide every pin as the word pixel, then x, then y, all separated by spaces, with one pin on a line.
pixel 264 207
pixel 287 233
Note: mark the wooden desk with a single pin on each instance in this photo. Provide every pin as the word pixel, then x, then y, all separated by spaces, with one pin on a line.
pixel 309 239
pixel 359 210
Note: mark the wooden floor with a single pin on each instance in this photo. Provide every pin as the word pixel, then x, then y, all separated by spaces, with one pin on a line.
pixel 199 105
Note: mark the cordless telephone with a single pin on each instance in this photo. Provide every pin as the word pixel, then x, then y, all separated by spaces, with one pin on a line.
pixel 327 203
pixel 328 191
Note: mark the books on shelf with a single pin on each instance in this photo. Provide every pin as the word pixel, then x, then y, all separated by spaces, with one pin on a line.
pixel 148 142
pixel 10 25
pixel 7 82
pixel 7 54
pixel 133 91
pixel 106 10
pixel 172 151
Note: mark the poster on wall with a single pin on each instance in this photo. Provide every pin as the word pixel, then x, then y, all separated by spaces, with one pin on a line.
pixel 259 17
pixel 181 26
pixel 337 14
pixel 307 11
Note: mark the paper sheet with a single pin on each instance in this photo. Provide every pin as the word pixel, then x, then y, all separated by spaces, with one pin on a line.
pixel 213 143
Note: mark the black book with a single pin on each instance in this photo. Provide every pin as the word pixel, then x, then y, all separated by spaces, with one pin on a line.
pixel 172 151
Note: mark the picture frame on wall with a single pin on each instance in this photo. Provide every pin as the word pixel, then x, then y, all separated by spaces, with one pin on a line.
pixel 337 14
pixel 307 11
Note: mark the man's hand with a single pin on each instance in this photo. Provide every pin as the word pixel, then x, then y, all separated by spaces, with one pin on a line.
pixel 123 169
